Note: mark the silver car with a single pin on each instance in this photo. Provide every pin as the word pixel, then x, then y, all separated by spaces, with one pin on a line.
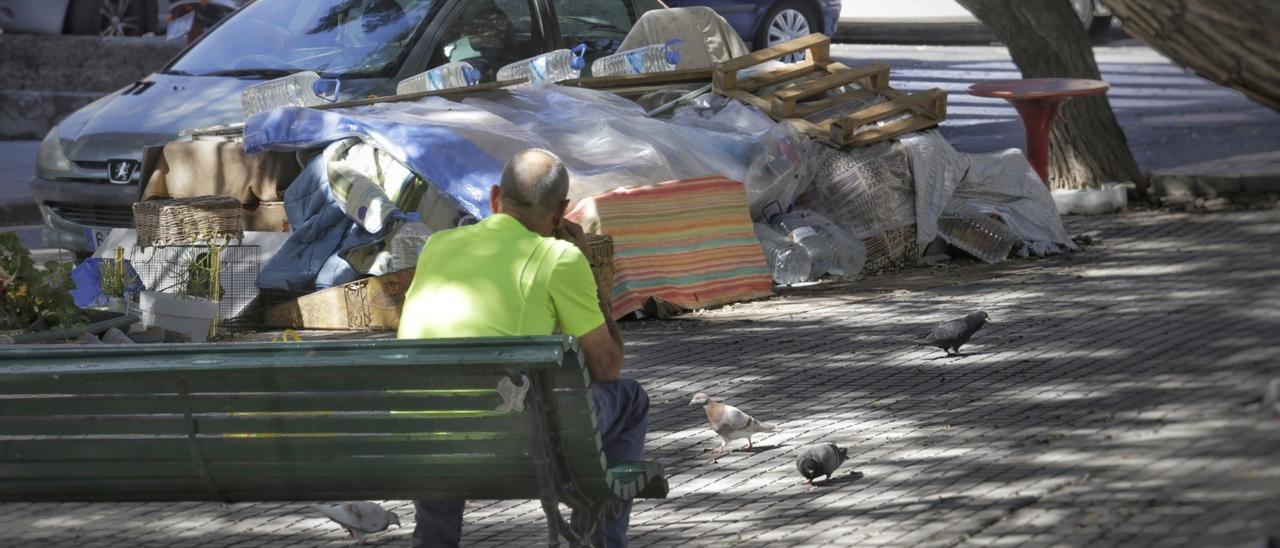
pixel 87 170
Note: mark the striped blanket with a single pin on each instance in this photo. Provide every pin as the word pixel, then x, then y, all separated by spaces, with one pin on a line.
pixel 689 242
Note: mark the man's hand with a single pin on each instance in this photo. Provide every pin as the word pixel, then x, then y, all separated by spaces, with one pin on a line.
pixel 570 231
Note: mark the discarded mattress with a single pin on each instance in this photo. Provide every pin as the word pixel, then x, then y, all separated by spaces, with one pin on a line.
pixel 689 242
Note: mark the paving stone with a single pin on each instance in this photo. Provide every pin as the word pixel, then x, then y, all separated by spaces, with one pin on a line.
pixel 1114 402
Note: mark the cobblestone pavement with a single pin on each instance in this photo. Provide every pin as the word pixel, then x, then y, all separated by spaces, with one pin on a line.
pixel 1115 401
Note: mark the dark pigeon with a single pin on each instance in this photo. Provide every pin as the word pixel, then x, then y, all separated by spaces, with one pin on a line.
pixel 952 334
pixel 819 459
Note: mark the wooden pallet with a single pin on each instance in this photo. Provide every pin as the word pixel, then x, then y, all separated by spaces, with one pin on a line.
pixel 817 75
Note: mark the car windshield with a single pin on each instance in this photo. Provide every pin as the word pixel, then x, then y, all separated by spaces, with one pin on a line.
pixel 335 38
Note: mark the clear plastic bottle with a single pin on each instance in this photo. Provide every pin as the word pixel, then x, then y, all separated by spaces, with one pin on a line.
pixel 407 243
pixel 788 262
pixel 976 233
pixel 652 58
pixel 847 255
pixel 297 90
pixel 446 76
pixel 821 256
pixel 555 66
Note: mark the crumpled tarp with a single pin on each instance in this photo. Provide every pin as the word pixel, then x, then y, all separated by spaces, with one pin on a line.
pixel 706 38
pixel 322 225
pixel 605 141
pixel 1002 183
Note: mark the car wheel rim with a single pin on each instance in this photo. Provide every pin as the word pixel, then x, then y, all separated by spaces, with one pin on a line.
pixel 120 18
pixel 1084 10
pixel 787 25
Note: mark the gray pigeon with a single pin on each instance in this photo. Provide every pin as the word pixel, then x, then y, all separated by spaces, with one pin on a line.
pixel 728 421
pixel 360 519
pixel 819 459
pixel 952 334
pixel 1271 401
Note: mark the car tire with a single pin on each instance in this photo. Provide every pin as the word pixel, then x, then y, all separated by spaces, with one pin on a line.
pixel 791 16
pixel 86 17
pixel 1101 24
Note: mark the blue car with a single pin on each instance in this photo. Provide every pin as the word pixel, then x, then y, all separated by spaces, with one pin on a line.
pixel 767 23
pixel 87 170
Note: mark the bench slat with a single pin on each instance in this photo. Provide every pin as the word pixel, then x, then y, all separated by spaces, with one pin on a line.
pixel 477 400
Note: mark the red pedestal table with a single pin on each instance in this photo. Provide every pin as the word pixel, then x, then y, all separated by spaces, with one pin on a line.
pixel 1037 102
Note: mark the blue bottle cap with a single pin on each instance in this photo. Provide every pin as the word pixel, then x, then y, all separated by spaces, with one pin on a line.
pixel 673 51
pixel 578 51
pixel 470 74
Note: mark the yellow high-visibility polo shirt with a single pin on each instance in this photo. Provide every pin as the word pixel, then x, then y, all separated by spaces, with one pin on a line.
pixel 497 278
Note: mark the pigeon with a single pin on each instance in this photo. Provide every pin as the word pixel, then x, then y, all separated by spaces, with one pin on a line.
pixel 819 459
pixel 1272 399
pixel 952 334
pixel 360 519
pixel 728 421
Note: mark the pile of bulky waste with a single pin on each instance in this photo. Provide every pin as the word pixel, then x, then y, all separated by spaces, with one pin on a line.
pixel 718 177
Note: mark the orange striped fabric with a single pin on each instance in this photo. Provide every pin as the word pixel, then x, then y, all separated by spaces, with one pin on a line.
pixel 688 241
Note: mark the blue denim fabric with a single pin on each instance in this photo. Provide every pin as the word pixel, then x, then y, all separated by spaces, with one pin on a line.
pixel 622 413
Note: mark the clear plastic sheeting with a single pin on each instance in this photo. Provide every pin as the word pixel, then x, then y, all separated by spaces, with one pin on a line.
pixel 867 191
pixel 607 142
pixel 1000 183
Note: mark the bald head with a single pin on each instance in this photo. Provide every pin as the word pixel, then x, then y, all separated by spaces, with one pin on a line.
pixel 534 181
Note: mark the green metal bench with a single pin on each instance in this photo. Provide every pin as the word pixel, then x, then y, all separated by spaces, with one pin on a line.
pixel 338 420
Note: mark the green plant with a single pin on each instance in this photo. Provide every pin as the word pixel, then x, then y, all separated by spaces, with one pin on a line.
pixel 116 276
pixel 28 295
pixel 204 272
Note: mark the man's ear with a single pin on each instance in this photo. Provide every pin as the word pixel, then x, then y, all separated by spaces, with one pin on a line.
pixel 495 199
pixel 560 211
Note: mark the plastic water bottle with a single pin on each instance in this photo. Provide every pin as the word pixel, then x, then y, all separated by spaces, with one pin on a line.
pixel 976 233
pixel 821 256
pixel 653 58
pixel 407 243
pixel 447 76
pixel 555 66
pixel 788 262
pixel 295 90
pixel 846 255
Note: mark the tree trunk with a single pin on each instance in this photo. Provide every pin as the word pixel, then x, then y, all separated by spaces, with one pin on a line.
pixel 1046 40
pixel 1235 43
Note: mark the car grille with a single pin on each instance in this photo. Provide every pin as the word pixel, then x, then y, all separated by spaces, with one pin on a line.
pixel 95 215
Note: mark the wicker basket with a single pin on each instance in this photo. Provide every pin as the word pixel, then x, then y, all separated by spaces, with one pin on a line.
pixel 892 250
pixel 187 220
pixel 601 259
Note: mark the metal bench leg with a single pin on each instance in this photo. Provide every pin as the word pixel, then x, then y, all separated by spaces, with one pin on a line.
pixel 548 473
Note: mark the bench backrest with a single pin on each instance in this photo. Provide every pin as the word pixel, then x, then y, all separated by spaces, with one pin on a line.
pixel 388 419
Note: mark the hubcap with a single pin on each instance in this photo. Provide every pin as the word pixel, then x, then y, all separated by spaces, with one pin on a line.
pixel 788 24
pixel 120 18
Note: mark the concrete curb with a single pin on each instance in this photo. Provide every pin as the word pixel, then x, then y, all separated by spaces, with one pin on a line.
pixel 1244 174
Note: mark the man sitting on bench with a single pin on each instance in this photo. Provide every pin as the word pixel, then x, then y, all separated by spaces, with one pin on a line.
pixel 507 276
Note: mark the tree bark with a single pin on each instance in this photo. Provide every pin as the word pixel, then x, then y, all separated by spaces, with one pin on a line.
pixel 1235 43
pixel 1046 40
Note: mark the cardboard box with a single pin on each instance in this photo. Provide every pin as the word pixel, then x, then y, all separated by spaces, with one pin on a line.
pixel 368 304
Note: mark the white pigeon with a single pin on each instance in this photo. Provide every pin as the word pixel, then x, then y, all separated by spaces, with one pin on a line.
pixel 360 519
pixel 729 422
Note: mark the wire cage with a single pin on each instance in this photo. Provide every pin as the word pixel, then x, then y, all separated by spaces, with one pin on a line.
pixel 174 269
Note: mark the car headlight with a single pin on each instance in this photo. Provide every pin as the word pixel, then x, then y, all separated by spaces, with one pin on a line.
pixel 51 156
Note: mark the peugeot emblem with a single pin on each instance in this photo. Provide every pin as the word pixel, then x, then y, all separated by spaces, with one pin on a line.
pixel 121 172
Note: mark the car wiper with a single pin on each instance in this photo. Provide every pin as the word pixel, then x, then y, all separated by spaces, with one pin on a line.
pixel 177 73
pixel 250 73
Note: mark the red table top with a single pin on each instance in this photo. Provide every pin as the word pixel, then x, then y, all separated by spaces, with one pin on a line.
pixel 1039 88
